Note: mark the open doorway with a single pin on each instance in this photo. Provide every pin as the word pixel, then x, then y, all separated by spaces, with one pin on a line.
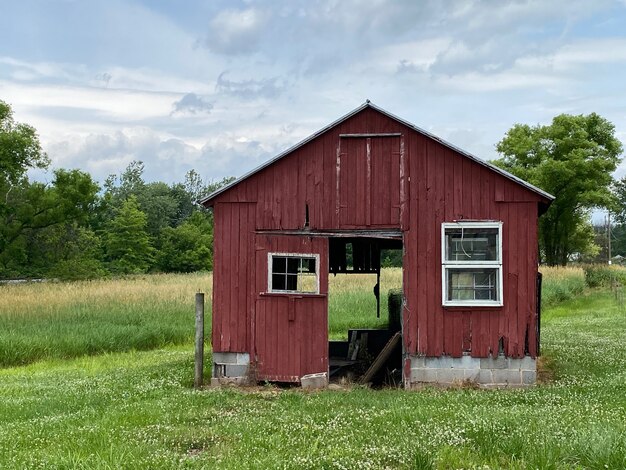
pixel 364 309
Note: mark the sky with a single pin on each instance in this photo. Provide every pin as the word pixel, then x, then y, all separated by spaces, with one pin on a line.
pixel 221 86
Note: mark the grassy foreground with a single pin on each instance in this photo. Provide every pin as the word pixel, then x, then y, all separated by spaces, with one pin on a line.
pixel 137 410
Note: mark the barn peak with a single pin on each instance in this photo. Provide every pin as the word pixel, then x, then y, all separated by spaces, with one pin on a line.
pixel 207 201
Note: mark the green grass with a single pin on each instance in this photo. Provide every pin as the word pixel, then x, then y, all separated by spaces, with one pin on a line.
pixel 560 284
pixel 138 410
pixel 64 320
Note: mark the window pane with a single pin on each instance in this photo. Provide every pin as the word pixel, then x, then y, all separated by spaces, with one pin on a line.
pixel 472 284
pixel 293 273
pixel 292 265
pixel 308 265
pixel 279 264
pixel 292 282
pixel 472 244
pixel 307 283
pixel 278 282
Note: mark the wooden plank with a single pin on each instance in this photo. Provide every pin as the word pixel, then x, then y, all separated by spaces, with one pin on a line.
pixel 421 243
pixel 381 358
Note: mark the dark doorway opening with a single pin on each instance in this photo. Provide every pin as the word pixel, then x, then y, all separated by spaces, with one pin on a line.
pixel 365 304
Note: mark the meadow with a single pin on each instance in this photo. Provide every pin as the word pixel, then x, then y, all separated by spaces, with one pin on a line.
pixel 133 408
pixel 71 319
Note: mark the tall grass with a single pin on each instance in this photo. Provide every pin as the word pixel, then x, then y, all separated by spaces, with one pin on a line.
pixel 60 320
pixel 560 284
pixel 352 304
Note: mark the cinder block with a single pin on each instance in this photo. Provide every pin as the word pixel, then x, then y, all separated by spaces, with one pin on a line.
pixel 527 363
pixel 314 381
pixel 529 377
pixel 417 362
pixel 471 374
pixel 442 362
pixel 225 358
pixel 499 362
pixel 228 381
pixel 507 376
pixel 424 375
pixel 448 376
pixel 243 358
pixel 236 370
pixel 468 362
pixel 485 376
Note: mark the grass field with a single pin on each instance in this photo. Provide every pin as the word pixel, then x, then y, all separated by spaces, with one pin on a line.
pixel 136 409
pixel 62 320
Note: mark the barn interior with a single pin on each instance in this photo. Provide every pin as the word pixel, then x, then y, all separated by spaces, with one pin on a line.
pixel 365 354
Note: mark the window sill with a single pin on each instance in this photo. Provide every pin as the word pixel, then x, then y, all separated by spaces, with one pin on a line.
pixel 455 308
pixel 292 294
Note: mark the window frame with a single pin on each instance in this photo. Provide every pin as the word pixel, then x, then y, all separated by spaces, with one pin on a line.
pixel 447 265
pixel 270 257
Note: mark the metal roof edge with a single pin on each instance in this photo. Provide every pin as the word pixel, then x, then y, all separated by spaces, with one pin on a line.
pixel 365 105
pixel 478 160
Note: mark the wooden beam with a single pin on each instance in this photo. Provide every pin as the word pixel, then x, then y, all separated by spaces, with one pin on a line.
pixel 381 359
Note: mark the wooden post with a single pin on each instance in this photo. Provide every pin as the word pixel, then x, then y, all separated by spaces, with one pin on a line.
pixel 199 362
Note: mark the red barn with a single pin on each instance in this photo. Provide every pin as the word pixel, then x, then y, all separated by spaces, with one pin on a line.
pixel 371 181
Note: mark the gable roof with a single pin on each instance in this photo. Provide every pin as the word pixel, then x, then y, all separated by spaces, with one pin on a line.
pixel 369 104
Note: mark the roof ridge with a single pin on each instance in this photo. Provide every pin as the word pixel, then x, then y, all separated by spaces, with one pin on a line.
pixel 365 105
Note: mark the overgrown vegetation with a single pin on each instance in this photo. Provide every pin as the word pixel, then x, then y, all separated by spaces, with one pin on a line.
pixel 138 410
pixel 560 284
pixel 62 320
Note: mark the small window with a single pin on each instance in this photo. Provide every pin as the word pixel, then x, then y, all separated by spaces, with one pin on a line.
pixel 472 263
pixel 293 273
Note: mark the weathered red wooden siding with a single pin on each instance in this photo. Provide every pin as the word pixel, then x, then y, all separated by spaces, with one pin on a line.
pixel 233 286
pixel 291 331
pixel 428 184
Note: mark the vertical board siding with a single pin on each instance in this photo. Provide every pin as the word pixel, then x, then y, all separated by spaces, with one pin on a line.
pixel 412 183
pixel 293 328
pixel 233 261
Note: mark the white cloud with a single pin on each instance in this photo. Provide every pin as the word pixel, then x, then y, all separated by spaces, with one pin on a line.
pixel 236 31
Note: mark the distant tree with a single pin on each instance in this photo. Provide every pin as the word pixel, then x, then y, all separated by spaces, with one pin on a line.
pixel 188 247
pixel 572 158
pixel 19 148
pixel 34 207
pixel 127 244
pixel 69 252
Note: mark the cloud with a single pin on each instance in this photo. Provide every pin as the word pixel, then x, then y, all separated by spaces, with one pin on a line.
pixel 192 104
pixel 236 31
pixel 250 89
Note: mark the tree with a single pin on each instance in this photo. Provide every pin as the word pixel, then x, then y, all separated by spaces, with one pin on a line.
pixel 33 207
pixel 127 244
pixel 188 247
pixel 19 148
pixel 572 158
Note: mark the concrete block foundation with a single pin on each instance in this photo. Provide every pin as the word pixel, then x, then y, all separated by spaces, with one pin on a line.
pixel 499 371
pixel 230 368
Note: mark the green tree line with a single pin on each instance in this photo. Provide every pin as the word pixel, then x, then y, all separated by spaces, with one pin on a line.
pixel 73 228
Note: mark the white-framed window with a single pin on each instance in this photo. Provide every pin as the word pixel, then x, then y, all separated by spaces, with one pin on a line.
pixel 293 273
pixel 471 268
